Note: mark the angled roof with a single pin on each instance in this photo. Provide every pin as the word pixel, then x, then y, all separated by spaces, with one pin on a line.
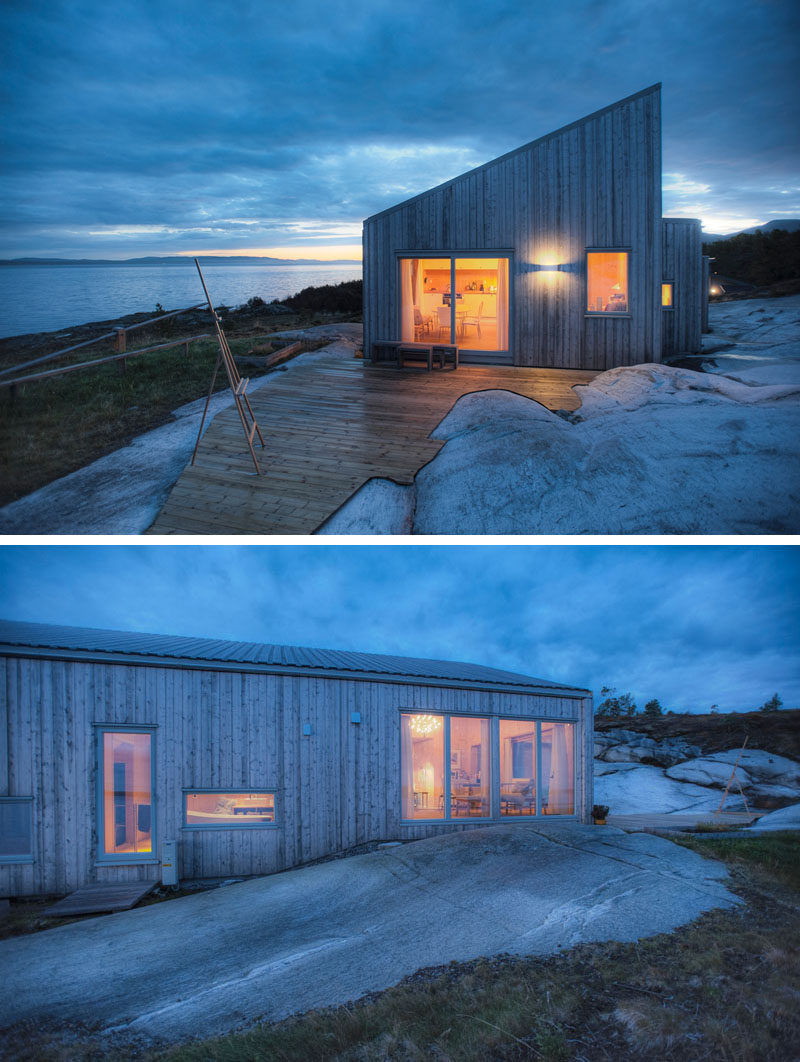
pixel 84 642
pixel 515 151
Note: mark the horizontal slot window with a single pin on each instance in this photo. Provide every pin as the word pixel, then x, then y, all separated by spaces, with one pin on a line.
pixel 214 809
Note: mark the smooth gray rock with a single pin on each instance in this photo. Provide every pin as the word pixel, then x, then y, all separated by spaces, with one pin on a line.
pixel 705 771
pixel 322 935
pixel 762 766
pixel 785 819
pixel 647 788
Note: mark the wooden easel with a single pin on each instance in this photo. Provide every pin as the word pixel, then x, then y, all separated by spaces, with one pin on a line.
pixel 238 385
pixel 738 783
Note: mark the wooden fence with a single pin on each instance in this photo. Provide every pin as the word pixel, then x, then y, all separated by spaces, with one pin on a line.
pixel 119 335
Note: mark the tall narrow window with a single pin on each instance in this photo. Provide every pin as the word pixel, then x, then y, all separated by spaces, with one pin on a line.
pixel 422 738
pixel 607 282
pixel 127 793
pixel 469 768
pixel 517 767
pixel 667 296
pixel 558 769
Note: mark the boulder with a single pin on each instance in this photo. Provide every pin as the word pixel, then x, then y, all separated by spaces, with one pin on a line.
pixel 772 796
pixel 762 766
pixel 785 819
pixel 706 771
pixel 647 789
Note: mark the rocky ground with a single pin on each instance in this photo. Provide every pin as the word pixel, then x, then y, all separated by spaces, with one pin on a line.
pixel 683 763
pixel 653 449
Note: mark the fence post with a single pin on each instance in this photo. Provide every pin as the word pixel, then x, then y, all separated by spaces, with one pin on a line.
pixel 120 346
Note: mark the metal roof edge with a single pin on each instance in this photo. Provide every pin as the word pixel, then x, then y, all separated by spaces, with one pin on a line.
pixel 515 151
pixel 288 670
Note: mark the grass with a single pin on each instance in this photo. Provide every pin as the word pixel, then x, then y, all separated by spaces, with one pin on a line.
pixel 52 427
pixel 725 987
pixel 777 854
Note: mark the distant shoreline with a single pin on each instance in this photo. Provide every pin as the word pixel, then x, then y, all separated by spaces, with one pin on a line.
pixel 175 260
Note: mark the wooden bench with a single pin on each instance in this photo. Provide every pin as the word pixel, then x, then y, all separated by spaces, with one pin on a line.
pixel 427 352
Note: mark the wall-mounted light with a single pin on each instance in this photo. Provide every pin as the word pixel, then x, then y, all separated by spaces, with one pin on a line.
pixel 355 717
pixel 306 729
pixel 549 267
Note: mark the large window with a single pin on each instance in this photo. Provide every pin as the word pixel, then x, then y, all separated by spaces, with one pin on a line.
pixel 536 767
pixel 16 829
pixel 126 797
pixel 469 767
pixel 422 766
pixel 212 809
pixel 517 767
pixel 558 769
pixel 607 282
pixel 455 300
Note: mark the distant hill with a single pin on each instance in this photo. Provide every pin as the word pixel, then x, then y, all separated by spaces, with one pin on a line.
pixel 776 732
pixel 789 225
pixel 177 260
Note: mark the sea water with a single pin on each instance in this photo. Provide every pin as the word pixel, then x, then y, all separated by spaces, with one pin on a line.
pixel 46 298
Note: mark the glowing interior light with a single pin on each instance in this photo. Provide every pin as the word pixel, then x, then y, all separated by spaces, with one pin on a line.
pixel 422 725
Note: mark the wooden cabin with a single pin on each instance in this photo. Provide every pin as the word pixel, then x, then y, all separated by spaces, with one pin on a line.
pixel 550 255
pixel 256 758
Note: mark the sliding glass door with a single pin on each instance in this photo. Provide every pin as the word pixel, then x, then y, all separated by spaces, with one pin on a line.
pixel 455 300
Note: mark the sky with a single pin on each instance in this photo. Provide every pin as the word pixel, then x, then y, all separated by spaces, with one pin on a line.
pixel 169 127
pixel 693 626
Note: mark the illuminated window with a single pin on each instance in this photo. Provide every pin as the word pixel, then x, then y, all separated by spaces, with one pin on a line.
pixel 469 767
pixel 213 809
pixel 607 282
pixel 558 769
pixel 476 319
pixel 667 296
pixel 517 767
pixel 16 829
pixel 126 799
pixel 422 766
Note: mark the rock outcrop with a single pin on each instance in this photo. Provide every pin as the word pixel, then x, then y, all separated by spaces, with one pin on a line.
pixel 635 773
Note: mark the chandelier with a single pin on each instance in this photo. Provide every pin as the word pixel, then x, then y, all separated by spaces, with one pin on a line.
pixel 422 725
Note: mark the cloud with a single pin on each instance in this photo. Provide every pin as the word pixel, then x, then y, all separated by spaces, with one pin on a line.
pixel 690 625
pixel 181 116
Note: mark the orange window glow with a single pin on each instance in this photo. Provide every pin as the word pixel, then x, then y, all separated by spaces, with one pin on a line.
pixel 607 282
pixel 127 793
pixel 217 809
pixel 666 296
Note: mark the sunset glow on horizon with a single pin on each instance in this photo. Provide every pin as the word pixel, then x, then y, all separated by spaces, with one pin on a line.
pixel 351 252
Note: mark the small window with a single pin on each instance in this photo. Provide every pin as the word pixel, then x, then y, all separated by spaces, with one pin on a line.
pixel 607 282
pixel 667 299
pixel 213 809
pixel 16 829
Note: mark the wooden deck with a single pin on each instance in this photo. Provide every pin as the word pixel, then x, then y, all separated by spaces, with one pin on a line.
pixel 105 897
pixel 329 426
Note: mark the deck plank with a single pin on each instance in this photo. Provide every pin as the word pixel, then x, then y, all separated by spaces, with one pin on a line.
pixel 105 897
pixel 329 426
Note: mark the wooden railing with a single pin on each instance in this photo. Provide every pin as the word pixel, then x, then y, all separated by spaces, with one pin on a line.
pixel 120 337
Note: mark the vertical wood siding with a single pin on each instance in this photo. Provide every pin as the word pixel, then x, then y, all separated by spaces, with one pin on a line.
pixel 704 295
pixel 683 265
pixel 337 788
pixel 594 184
